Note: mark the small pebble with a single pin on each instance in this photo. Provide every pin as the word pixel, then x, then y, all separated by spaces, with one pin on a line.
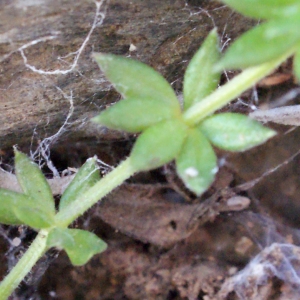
pixel 16 242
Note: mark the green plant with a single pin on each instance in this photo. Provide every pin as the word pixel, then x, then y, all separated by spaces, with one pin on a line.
pixel 168 132
pixel 150 106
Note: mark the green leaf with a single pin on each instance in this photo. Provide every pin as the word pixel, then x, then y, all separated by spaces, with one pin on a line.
pixel 134 79
pixel 200 78
pixel 296 64
pixel 158 145
pixel 16 209
pixel 197 163
pixel 135 115
pixel 85 178
pixel 265 9
pixel 80 245
pixel 234 132
pixel 9 200
pixel 261 44
pixel 60 238
pixel 34 183
pixel 33 216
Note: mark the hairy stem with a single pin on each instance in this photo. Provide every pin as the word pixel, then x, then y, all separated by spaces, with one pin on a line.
pixel 193 115
pixel 64 218
pixel 231 90
pixel 24 265
pixel 113 179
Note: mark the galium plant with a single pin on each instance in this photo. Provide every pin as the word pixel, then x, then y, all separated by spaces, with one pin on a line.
pixel 169 131
pixel 150 106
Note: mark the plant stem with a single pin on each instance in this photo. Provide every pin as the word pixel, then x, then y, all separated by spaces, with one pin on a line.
pixel 231 90
pixel 113 179
pixel 64 218
pixel 24 265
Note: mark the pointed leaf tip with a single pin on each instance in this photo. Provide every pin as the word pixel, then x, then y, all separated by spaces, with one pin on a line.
pixel 34 183
pixel 134 79
pixel 200 78
pixel 234 132
pixel 85 178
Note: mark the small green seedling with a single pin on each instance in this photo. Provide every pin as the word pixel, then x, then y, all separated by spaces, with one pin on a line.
pixel 169 132
pixel 150 106
pixel 35 208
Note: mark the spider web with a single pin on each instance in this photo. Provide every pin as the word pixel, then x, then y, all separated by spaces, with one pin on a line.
pixel 64 64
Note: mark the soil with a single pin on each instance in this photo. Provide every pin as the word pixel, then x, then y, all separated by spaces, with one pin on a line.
pixel 237 241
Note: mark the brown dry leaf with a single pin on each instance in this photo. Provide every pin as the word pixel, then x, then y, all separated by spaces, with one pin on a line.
pixel 143 212
pixel 286 115
pixel 152 213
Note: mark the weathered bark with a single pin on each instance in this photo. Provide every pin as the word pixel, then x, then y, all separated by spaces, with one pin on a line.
pixel 43 86
pixel 49 34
